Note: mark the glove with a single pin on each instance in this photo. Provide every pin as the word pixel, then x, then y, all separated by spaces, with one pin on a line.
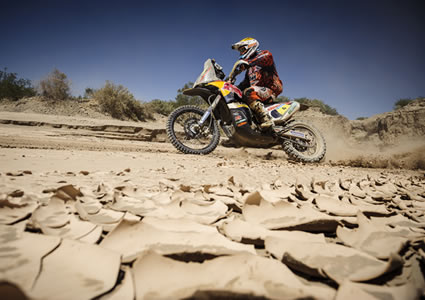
pixel 243 65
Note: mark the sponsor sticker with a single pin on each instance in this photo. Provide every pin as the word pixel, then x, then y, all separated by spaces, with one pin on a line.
pixel 283 109
pixel 270 108
pixel 291 109
pixel 241 124
pixel 231 88
pixel 239 117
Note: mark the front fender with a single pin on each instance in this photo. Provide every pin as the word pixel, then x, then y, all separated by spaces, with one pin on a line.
pixel 198 91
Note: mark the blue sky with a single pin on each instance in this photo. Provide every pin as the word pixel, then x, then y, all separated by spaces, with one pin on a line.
pixel 357 56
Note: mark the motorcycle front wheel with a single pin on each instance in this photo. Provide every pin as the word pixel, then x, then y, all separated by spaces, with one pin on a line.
pixel 185 133
pixel 310 151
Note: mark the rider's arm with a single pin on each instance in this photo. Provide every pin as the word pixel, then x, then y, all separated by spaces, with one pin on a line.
pixel 244 83
pixel 263 59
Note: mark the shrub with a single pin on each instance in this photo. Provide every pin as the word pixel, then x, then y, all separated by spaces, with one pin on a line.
pixel 282 99
pixel 89 92
pixel 324 108
pixel 361 118
pixel 14 88
pixel 117 101
pixel 161 107
pixel 166 107
pixel 188 100
pixel 55 86
pixel 401 103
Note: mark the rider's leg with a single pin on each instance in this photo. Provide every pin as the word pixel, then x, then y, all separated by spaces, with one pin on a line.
pixel 254 97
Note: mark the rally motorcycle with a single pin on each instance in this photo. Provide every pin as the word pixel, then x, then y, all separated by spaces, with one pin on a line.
pixel 193 130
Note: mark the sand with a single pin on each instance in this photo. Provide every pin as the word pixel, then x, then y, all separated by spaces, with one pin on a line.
pixel 105 208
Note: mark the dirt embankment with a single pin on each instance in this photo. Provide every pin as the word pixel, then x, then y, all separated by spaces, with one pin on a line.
pixel 78 107
pixel 393 139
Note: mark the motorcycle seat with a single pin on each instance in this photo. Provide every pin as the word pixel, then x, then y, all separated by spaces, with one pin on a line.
pixel 270 100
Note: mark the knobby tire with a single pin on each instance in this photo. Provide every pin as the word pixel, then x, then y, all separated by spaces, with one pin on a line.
pixel 297 155
pixel 172 135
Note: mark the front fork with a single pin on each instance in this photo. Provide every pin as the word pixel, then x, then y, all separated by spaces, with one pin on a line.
pixel 208 112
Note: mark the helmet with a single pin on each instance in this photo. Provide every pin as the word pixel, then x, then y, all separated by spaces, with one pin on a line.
pixel 246 47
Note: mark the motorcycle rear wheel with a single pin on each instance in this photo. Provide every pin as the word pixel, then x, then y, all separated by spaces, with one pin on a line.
pixel 187 136
pixel 312 151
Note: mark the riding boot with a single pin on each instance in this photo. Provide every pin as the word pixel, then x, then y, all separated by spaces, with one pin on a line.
pixel 262 115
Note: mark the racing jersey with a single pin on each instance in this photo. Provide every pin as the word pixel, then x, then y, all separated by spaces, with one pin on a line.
pixel 262 72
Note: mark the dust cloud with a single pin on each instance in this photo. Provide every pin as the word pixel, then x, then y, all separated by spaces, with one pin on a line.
pixel 408 153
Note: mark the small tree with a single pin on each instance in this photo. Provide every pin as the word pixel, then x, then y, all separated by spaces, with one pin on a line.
pixel 55 86
pixel 188 100
pixel 281 99
pixel 161 107
pixel 324 108
pixel 89 92
pixel 401 103
pixel 14 88
pixel 117 101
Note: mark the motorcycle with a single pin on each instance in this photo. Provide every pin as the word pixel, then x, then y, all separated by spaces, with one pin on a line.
pixel 193 130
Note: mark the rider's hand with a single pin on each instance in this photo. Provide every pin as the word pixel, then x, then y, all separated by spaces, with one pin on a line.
pixel 243 65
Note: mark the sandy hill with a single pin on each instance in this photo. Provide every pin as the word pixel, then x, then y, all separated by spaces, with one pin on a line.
pixel 392 139
pixel 390 128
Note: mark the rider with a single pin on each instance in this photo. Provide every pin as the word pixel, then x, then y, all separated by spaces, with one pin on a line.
pixel 261 83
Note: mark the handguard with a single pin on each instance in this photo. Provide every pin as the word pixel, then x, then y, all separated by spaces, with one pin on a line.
pixel 238 67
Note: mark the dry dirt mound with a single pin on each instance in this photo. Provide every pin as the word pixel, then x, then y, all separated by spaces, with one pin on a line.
pixel 75 107
pixel 391 128
pixel 406 122
pixel 393 139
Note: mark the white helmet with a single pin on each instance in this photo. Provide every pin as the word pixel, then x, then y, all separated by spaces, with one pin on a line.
pixel 246 47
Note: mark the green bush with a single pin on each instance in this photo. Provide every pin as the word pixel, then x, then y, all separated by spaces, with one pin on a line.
pixel 324 108
pixel 89 92
pixel 188 100
pixel 361 118
pixel 117 101
pixel 166 107
pixel 14 88
pixel 55 86
pixel 282 99
pixel 401 103
pixel 161 107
